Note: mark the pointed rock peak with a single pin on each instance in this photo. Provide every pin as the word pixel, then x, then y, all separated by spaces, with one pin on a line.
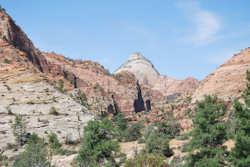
pixel 136 55
pixel 141 67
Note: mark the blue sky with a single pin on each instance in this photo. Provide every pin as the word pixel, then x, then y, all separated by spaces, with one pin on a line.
pixel 181 37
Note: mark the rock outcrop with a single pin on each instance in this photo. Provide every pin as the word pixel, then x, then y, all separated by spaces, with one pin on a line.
pixel 14 35
pixel 228 81
pixel 139 102
pixel 141 67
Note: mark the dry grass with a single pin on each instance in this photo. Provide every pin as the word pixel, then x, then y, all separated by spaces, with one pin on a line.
pixel 29 79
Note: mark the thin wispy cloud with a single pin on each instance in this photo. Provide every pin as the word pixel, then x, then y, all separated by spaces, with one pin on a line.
pixel 205 24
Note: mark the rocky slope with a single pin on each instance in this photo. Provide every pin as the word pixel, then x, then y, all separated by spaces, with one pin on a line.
pixel 13 34
pixel 229 80
pixel 145 72
pixel 25 90
pixel 91 77
pixel 98 84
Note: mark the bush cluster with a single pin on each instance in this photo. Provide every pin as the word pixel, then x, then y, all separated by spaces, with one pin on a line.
pixel 35 154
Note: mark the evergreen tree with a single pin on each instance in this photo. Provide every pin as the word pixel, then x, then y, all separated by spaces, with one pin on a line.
pixel 99 147
pixel 208 135
pixel 19 129
pixel 146 160
pixel 241 151
pixel 35 154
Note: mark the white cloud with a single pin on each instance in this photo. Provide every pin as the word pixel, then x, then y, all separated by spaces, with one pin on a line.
pixel 205 23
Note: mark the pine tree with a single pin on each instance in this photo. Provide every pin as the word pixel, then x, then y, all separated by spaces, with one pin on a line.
pixel 208 135
pixel 35 154
pixel 99 146
pixel 241 151
pixel 19 129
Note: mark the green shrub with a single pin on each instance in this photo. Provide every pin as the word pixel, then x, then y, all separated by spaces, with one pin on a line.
pixel 6 164
pixel 60 86
pixel 2 157
pixel 35 154
pixel 158 145
pixel 146 160
pixel 82 98
pixel 9 111
pixel 54 143
pixel 11 146
pixel 53 111
pixel 65 152
pixel 184 148
pixel 168 130
pixel 141 140
pixel 7 61
pixel 120 121
pixel 133 132
pixel 19 129
pixel 99 146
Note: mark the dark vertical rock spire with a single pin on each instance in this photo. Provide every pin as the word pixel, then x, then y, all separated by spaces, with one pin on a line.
pixel 139 102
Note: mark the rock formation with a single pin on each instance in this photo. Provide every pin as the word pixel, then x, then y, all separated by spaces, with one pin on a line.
pixel 142 68
pixel 13 34
pixel 145 72
pixel 139 102
pixel 228 81
pixel 91 77
pixel 148 105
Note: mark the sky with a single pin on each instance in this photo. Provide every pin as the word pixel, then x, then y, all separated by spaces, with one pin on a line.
pixel 181 38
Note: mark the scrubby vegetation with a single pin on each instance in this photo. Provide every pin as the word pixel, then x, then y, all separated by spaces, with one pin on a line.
pixel 60 86
pixel 101 136
pixel 146 160
pixel 204 145
pixel 54 143
pixel 158 145
pixel 208 135
pixel 19 129
pixel 241 151
pixel 35 154
pixel 99 144
pixel 82 98
pixel 7 61
pixel 53 111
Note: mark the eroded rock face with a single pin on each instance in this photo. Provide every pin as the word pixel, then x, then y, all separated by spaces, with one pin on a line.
pixel 228 81
pixel 90 77
pixel 142 68
pixel 145 72
pixel 14 35
pixel 139 102
pixel 30 95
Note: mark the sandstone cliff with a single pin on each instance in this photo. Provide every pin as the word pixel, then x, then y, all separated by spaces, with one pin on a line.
pixel 229 80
